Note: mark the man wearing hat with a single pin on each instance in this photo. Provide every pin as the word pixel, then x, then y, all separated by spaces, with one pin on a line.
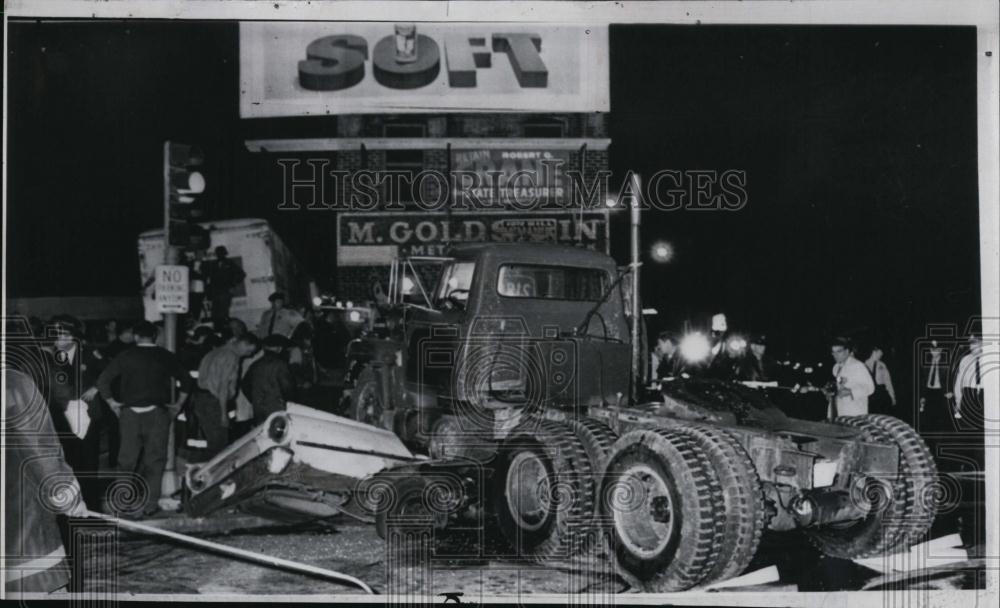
pixel 759 366
pixel 268 382
pixel 278 319
pixel 718 335
pixel 224 276
pixel 74 402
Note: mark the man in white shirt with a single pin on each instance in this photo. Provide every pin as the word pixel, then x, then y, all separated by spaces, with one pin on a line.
pixel 278 319
pixel 853 383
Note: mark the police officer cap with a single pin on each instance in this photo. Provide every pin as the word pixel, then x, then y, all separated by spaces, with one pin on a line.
pixel 758 339
pixel 67 323
pixel 276 296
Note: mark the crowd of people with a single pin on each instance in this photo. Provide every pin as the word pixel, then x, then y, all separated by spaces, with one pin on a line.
pixel 116 394
pixel 947 409
pixel 859 381
pixel 101 404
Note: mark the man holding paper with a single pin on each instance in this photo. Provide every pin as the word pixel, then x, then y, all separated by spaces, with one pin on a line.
pixel 74 403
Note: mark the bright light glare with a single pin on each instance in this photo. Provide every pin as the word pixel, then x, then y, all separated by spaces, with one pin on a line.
pixel 695 347
pixel 407 285
pixel 317 301
pixel 354 316
pixel 737 344
pixel 662 251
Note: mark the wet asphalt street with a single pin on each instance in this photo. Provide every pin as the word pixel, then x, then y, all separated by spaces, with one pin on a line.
pixel 147 565
pixel 155 566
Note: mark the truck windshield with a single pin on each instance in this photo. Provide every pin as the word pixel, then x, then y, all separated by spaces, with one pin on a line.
pixel 456 280
pixel 551 282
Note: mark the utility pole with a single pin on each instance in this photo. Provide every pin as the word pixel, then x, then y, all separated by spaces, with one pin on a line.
pixel 637 354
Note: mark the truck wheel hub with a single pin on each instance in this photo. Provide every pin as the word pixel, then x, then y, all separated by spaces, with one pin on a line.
pixel 644 521
pixel 528 490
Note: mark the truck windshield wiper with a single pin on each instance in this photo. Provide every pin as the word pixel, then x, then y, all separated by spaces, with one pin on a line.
pixel 582 327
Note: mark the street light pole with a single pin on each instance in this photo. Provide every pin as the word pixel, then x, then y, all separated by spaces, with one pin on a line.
pixel 636 305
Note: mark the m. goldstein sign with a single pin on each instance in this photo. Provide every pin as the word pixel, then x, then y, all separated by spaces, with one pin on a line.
pixel 298 69
pixel 373 239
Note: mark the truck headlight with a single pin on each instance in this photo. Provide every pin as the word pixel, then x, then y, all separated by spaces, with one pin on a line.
pixel 278 428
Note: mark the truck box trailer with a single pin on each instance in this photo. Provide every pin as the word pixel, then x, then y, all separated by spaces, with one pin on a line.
pixel 255 247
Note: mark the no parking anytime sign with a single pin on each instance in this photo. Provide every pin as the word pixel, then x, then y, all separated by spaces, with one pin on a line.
pixel 172 288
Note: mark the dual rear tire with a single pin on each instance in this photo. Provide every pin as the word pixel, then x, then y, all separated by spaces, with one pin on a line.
pixel 545 490
pixel 675 508
pixel 684 507
pixel 904 504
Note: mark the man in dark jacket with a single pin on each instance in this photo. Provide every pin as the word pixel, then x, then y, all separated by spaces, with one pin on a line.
pixel 268 382
pixel 38 485
pixel 758 366
pixel 665 360
pixel 124 340
pixel 147 373
pixel 75 405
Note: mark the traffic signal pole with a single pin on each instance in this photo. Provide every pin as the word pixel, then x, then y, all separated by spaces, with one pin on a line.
pixel 171 255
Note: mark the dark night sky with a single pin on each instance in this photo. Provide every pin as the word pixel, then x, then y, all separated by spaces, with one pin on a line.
pixel 859 146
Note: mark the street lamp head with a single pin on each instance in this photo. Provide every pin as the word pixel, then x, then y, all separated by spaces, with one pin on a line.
pixel 662 252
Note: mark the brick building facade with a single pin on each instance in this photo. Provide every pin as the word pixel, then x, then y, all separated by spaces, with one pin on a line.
pixel 386 143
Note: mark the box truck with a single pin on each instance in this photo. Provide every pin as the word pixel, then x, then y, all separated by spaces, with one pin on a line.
pixel 255 247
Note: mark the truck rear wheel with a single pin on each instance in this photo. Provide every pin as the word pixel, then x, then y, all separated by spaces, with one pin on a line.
pixel 545 496
pixel 908 506
pixel 743 497
pixel 597 439
pixel 367 403
pixel 665 509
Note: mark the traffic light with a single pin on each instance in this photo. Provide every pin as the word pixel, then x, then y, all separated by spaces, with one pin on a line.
pixel 184 186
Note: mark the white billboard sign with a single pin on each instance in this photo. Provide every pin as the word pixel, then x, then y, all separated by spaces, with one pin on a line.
pixel 303 69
